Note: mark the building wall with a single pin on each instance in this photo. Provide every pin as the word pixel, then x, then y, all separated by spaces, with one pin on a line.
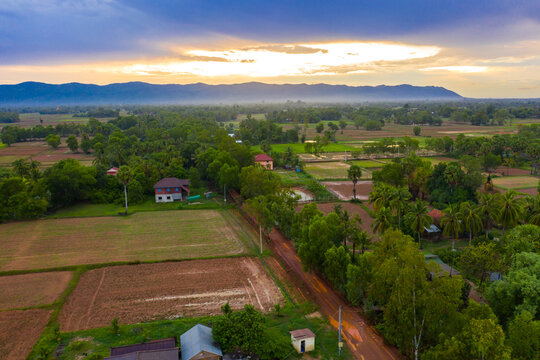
pixel 309 346
pixel 168 196
pixel 267 164
pixel 164 198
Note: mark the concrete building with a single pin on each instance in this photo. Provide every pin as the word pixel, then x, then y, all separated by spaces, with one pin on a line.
pixel 171 189
pixel 303 340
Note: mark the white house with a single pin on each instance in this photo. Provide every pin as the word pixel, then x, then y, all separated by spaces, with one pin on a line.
pixel 303 340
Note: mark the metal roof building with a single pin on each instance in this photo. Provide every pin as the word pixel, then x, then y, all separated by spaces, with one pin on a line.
pixel 198 342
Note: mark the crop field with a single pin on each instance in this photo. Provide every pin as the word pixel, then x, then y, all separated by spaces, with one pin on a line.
pixel 369 163
pixel 40 151
pixel 344 189
pixel 142 293
pixel 328 170
pixel 19 330
pixel 22 291
pixel 515 182
pixel 32 119
pixel 300 148
pixel 145 236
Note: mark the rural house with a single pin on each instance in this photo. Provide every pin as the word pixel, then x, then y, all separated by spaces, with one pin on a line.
pixel 303 340
pixel 198 343
pixel 171 189
pixel 265 161
pixel 112 171
pixel 163 349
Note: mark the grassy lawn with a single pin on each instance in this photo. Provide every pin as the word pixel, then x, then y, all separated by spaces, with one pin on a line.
pixel 2 145
pixel 328 170
pixel 429 247
pixel 98 341
pixel 368 163
pixel 515 182
pixel 144 236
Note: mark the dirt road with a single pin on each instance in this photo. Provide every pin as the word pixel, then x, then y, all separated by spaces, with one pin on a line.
pixel 363 342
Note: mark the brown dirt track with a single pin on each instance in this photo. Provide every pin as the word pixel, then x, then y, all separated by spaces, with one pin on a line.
pixel 139 293
pixel 21 291
pixel 344 189
pixel 19 330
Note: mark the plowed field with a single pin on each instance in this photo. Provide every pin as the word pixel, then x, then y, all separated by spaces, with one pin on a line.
pixel 157 235
pixel 19 330
pixel 138 293
pixel 21 291
pixel 344 189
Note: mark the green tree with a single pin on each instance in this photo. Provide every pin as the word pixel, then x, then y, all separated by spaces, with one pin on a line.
pixel 419 218
pixel 342 125
pixel 335 266
pixel 511 209
pixel 53 140
pixel 470 219
pixel 68 182
pixel 488 205
pixel 21 168
pixel 381 196
pixel 72 143
pixel 124 177
pixel 383 220
pixel 479 261
pixel 354 174
pixel 259 207
pixel 451 223
pixel 399 200
pixel 255 181
pixel 524 337
pixel 490 161
pixel 319 128
pixel 417 130
pixel 522 238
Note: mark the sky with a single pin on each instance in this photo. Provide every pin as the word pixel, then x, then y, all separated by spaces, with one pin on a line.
pixel 478 48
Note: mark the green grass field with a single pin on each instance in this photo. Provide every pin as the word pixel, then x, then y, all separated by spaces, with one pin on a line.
pixel 145 236
pixel 328 170
pixel 368 163
pixel 299 148
pixel 516 182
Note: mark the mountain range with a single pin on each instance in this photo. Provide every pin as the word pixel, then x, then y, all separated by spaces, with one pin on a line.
pixel 41 94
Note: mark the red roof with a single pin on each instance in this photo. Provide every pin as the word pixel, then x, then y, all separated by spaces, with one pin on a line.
pixel 263 157
pixel 112 171
pixel 302 334
pixel 435 214
pixel 171 182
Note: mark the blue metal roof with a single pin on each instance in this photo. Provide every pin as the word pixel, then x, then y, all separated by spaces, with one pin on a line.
pixel 198 338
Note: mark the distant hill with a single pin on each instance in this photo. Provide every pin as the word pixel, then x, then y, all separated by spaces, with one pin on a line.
pixel 39 94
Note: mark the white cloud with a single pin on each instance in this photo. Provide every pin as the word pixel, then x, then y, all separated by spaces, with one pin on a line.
pixel 460 69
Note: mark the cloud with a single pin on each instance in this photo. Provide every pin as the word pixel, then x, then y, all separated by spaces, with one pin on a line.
pixel 458 68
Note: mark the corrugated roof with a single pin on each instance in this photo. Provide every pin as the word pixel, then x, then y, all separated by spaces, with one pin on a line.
pixel 263 157
pixel 163 354
pixel 198 338
pixel 302 334
pixel 171 182
pixel 158 344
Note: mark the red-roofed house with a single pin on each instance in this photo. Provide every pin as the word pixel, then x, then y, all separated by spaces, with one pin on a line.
pixel 265 161
pixel 436 215
pixel 112 171
pixel 171 189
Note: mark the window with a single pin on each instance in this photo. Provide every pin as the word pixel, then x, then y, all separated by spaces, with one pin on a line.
pixel 159 197
pixel 159 190
pixel 168 198
pixel 168 189
pixel 176 189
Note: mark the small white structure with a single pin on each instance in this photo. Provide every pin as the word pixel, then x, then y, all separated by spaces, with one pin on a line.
pixel 303 340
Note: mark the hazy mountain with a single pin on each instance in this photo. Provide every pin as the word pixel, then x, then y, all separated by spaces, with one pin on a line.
pixel 34 93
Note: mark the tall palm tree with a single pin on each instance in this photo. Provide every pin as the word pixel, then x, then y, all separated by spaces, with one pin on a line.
pixel 470 218
pixel 124 177
pixel 383 220
pixel 354 173
pixel 418 214
pixel 511 209
pixel 452 223
pixel 398 201
pixel 533 209
pixel 381 196
pixel 487 209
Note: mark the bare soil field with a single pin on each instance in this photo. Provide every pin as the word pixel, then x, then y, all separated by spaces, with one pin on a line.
pixel 19 330
pixel 501 170
pixel 529 191
pixel 32 119
pixel 144 236
pixel 344 189
pixel 21 291
pixel 40 151
pixel 139 293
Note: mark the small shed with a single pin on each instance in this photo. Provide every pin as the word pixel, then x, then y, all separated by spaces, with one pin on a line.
pixel 112 171
pixel 303 340
pixel 265 161
pixel 198 343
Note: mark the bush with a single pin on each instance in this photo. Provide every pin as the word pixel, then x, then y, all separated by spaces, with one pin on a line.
pixel 372 125
pixel 417 130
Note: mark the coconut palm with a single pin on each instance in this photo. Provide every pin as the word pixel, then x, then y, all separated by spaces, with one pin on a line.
pixel 533 209
pixel 381 196
pixel 452 223
pixel 510 210
pixel 354 173
pixel 418 214
pixel 487 209
pixel 470 218
pixel 399 200
pixel 383 220
pixel 124 177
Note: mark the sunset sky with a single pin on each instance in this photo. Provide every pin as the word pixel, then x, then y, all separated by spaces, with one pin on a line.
pixel 477 48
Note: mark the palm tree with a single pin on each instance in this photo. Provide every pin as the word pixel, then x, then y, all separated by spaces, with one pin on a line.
pixel 533 209
pixel 381 195
pixel 487 209
pixel 124 177
pixel 399 199
pixel 354 173
pixel 511 209
pixel 383 220
pixel 361 238
pixel 470 218
pixel 21 168
pixel 418 213
pixel 451 223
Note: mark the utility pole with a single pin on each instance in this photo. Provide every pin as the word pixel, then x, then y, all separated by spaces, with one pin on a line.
pixel 340 344
pixel 224 194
